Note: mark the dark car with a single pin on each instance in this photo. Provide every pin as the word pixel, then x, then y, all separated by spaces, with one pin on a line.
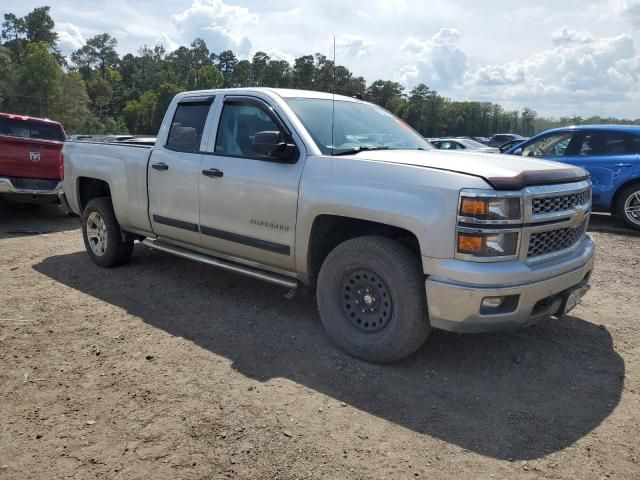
pixel 500 139
pixel 611 154
pixel 511 143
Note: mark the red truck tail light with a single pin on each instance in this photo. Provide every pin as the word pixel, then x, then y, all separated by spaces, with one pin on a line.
pixel 61 165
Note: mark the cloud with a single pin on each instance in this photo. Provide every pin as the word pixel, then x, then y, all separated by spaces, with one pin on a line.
pixel 69 36
pixel 565 36
pixel 580 71
pixel 353 46
pixel 217 23
pixel 631 10
pixel 439 59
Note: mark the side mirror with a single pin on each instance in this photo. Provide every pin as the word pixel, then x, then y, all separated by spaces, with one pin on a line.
pixel 273 144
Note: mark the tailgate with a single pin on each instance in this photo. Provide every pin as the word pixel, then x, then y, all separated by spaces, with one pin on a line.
pixel 29 158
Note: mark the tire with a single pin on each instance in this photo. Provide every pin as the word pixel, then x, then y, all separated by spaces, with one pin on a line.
pixel 379 274
pixel 102 235
pixel 627 206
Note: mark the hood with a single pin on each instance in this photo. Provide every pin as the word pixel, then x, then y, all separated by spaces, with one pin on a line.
pixel 503 172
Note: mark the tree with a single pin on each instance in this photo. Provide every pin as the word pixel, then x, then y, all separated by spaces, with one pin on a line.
pixel 227 61
pixel 304 70
pixel 99 51
pixel 8 76
pixel 385 93
pixel 241 76
pixel 278 74
pixel 203 77
pixel 72 105
pixel 259 64
pixel 35 27
pixel 38 80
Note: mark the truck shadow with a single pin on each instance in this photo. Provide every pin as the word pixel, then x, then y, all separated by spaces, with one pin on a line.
pixel 517 395
pixel 26 220
pixel 604 222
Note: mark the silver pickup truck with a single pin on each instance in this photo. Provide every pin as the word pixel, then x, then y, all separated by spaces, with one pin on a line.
pixel 303 188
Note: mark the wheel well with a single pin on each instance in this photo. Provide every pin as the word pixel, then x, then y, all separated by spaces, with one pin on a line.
pixel 90 188
pixel 329 231
pixel 628 183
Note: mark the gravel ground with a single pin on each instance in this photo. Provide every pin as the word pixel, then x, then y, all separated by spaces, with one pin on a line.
pixel 169 369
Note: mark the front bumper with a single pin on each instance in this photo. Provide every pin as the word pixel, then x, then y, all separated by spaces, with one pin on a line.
pixel 455 305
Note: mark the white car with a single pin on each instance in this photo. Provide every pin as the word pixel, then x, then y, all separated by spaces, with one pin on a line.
pixel 462 144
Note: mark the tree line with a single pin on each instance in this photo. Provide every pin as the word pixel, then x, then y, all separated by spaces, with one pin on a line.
pixel 95 90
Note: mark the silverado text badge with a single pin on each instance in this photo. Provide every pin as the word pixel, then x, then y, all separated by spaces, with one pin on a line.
pixel 34 156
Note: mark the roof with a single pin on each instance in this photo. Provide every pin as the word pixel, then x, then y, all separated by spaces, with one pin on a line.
pixel 282 92
pixel 635 129
pixel 26 118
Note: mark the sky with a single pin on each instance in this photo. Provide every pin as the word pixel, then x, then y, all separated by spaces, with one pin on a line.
pixel 561 57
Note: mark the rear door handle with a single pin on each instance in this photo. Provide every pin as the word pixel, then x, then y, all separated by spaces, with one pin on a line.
pixel 160 166
pixel 212 172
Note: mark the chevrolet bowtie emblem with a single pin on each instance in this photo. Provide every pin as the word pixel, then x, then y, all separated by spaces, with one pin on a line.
pixel 578 219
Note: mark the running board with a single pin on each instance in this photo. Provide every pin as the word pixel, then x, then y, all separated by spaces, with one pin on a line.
pixel 217 262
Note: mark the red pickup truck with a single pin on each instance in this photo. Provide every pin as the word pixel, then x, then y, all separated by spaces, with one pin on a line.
pixel 31 164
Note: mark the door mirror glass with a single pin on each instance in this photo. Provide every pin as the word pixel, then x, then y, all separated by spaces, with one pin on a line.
pixel 269 143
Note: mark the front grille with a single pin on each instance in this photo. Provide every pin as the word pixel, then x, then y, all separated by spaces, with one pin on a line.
pixel 560 203
pixel 553 241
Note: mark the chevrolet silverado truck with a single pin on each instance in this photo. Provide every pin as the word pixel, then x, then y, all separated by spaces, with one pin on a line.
pixel 30 159
pixel 308 189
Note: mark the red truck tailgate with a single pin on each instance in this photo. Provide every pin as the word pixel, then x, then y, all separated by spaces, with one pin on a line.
pixel 30 158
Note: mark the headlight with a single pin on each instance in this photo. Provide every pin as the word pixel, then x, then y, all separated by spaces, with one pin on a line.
pixel 487 208
pixel 485 244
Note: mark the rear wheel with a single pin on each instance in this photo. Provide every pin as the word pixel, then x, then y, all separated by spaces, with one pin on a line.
pixel 628 206
pixel 371 299
pixel 102 235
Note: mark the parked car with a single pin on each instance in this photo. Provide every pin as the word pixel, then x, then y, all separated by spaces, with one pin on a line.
pixel 117 138
pixel 31 168
pixel 611 154
pixel 462 144
pixel 512 143
pixel 500 139
pixel 395 236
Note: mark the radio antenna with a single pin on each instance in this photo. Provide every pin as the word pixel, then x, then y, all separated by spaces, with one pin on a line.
pixel 333 94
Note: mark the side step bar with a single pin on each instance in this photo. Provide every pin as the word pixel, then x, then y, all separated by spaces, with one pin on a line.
pixel 225 264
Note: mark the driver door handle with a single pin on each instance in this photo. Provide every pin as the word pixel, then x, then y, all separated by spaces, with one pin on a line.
pixel 160 166
pixel 212 172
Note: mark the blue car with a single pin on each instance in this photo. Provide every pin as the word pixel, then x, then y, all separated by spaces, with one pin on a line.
pixel 611 154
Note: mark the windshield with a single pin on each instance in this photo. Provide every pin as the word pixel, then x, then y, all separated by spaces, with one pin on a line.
pixel 356 127
pixel 472 143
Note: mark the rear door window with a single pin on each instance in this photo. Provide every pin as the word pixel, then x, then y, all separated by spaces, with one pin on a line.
pixel 185 133
pixel 14 127
pixel 606 143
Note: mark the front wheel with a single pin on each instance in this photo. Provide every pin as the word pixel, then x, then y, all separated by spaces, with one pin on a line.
pixel 628 206
pixel 102 235
pixel 372 300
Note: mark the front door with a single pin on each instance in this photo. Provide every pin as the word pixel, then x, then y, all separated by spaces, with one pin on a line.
pixel 249 201
pixel 174 173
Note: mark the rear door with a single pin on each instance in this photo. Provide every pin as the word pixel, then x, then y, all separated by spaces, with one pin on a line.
pixel 609 157
pixel 174 173
pixel 30 149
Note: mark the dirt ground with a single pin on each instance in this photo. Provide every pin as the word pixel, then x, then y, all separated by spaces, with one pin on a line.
pixel 168 369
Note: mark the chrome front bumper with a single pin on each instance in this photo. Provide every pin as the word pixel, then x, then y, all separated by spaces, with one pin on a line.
pixel 7 186
pixel 455 304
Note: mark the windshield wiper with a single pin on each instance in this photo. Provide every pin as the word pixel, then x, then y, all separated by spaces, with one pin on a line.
pixel 351 151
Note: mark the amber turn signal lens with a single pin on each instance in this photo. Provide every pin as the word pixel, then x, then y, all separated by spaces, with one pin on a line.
pixel 470 243
pixel 473 207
